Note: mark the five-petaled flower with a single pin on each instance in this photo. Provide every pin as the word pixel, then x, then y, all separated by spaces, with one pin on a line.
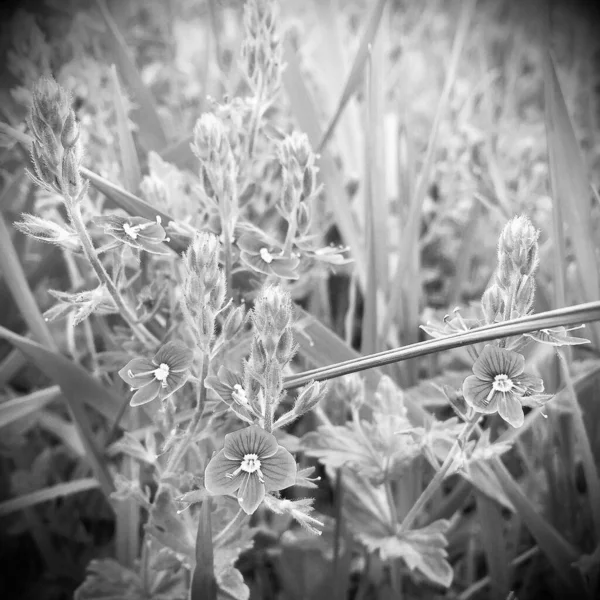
pixel 136 232
pixel 499 385
pixel 251 464
pixel 160 376
pixel 266 256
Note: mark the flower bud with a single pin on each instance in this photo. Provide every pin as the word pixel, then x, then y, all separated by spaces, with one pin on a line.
pixel 492 303
pixel 303 218
pixel 518 247
pixel 71 182
pixel 525 296
pixel 310 395
pixel 234 322
pixel 70 131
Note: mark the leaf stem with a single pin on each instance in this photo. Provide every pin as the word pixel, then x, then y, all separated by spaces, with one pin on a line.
pixel 180 450
pixel 74 211
pixel 435 483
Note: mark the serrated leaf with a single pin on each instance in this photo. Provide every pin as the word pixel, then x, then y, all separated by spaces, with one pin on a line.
pixel 423 550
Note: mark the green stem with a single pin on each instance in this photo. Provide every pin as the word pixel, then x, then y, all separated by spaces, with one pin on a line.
pixel 228 250
pixel 191 431
pixel 238 519
pixel 435 483
pixel 76 218
pixel 290 235
pixel 256 116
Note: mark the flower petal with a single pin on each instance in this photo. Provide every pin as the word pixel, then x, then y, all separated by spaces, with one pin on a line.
pixel 174 382
pixel 250 440
pixel 510 409
pixel 252 244
pixel 530 382
pixel 215 475
pixel 476 394
pixel 145 394
pixel 498 361
pixel 251 493
pixel 136 366
pixel 279 471
pixel 255 262
pixel 176 355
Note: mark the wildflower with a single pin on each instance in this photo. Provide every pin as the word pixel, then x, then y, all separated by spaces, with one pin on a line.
pixel 229 387
pixel 136 232
pixel 499 384
pixel 160 376
pixel 266 256
pixel 251 463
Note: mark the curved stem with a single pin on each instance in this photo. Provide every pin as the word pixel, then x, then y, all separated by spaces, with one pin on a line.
pixel 190 433
pixel 239 517
pixel 76 218
pixel 435 483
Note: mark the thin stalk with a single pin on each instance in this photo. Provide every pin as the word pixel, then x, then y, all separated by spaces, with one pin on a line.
pixel 76 218
pixel 228 250
pixel 237 519
pixel 435 483
pixel 290 235
pixel 180 450
pixel 256 115
pixel 574 315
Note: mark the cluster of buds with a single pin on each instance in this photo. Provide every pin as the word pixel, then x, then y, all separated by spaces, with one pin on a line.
pixel 512 293
pixel 203 288
pixel 272 349
pixel 262 50
pixel 218 170
pixel 299 174
pixel 56 151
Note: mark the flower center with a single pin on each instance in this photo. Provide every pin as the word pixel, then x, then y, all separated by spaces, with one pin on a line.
pixel 250 464
pixel 266 256
pixel 239 394
pixel 162 373
pixel 131 230
pixel 502 383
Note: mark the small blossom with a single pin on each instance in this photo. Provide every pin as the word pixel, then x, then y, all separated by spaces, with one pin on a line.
pixel 251 463
pixel 500 385
pixel 160 376
pixel 81 305
pixel 229 387
pixel 136 232
pixel 266 256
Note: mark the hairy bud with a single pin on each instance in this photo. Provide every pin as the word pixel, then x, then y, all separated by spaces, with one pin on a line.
pixel 492 303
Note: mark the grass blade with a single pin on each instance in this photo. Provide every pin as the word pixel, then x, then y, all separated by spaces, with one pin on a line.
pixel 72 379
pixel 50 493
pixel 587 455
pixel 494 544
pixel 151 131
pixel 19 288
pixel 132 174
pixel 570 189
pixel 204 584
pixel 558 551
pixel 13 410
pixel 355 76
pixel 409 243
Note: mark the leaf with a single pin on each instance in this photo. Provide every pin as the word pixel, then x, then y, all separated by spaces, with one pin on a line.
pixel 559 552
pixel 556 337
pixel 494 544
pixel 355 76
pixel 45 495
pixel 204 585
pixel 570 186
pixel 146 116
pixel 17 408
pixel 132 174
pixel 421 549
